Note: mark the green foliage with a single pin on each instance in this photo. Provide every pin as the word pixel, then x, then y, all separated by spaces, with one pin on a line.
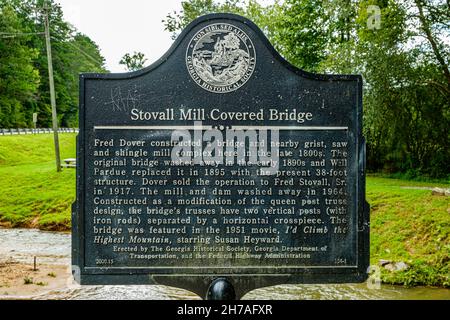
pixel 193 9
pixel 24 84
pixel 19 79
pixel 404 61
pixel 412 226
pixel 28 280
pixel 133 62
pixel 306 45
pixel 406 107
pixel 32 192
pixel 26 149
pixel 264 16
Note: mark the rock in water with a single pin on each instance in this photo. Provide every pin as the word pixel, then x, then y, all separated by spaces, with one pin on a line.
pixel 400 266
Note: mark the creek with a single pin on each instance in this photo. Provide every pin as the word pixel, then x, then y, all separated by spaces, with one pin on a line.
pixel 23 245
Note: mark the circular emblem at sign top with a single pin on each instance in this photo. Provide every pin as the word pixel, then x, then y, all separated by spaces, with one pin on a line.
pixel 220 58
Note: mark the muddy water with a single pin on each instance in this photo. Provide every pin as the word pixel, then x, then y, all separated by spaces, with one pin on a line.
pixel 23 244
pixel 54 248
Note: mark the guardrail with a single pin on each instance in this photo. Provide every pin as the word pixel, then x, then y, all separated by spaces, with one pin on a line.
pixel 8 132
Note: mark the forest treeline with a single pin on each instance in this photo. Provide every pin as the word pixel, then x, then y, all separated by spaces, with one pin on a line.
pixel 24 82
pixel 401 47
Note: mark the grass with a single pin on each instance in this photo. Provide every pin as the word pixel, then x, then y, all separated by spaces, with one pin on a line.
pixel 412 226
pixel 34 149
pixel 408 225
pixel 32 193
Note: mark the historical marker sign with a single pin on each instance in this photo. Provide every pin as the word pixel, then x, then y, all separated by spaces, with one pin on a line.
pixel 220 160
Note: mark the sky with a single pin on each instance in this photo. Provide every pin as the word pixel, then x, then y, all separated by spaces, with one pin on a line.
pixel 123 26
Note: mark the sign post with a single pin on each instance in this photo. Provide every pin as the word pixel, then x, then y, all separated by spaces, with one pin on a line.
pixel 34 120
pixel 221 168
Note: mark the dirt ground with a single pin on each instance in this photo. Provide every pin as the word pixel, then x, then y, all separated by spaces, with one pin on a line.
pixel 18 280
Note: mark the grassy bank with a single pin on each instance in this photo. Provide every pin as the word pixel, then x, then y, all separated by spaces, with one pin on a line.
pixel 407 225
pixel 411 226
pixel 32 193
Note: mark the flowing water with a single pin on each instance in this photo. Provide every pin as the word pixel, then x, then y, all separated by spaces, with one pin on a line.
pixel 54 248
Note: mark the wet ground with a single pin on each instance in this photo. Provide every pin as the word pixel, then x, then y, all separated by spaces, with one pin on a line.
pixel 50 248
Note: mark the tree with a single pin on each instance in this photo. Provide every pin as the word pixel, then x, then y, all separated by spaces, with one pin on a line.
pixel 19 79
pixel 192 9
pixel 434 24
pixel 83 56
pixel 264 16
pixel 404 62
pixel 72 53
pixel 133 62
pixel 69 59
pixel 297 36
pixel 406 103
pixel 301 30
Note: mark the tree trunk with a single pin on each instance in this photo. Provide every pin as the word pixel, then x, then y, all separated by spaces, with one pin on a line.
pixel 426 28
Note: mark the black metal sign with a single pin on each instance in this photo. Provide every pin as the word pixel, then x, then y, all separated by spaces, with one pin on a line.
pixel 220 160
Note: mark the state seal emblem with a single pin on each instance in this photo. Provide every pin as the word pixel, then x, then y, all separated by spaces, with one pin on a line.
pixel 220 58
